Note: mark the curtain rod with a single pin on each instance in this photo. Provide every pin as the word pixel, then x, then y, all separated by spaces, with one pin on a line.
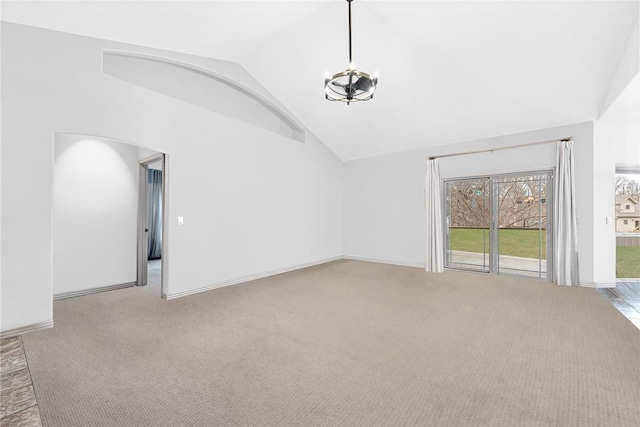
pixel 503 148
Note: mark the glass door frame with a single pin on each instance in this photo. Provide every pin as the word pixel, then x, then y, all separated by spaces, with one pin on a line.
pixel 494 229
pixel 486 268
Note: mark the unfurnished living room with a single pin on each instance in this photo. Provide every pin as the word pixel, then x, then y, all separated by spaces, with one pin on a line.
pixel 320 213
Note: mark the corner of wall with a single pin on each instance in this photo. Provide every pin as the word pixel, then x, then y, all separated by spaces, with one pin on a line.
pixel 627 69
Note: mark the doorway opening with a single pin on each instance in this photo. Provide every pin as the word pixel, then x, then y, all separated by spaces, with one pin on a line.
pixel 500 224
pixel 151 213
pixel 625 296
pixel 627 223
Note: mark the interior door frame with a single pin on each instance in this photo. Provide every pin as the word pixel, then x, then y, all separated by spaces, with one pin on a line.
pixel 142 261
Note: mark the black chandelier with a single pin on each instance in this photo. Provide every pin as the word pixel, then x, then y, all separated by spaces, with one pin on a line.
pixel 350 85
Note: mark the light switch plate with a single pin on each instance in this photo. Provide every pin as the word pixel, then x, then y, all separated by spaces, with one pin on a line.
pixel 180 220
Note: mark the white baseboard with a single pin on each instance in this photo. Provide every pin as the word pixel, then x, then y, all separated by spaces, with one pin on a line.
pixel 248 278
pixel 64 295
pixel 596 285
pixel 383 261
pixel 26 329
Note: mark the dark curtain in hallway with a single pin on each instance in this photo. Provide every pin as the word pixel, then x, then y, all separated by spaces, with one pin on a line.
pixel 154 204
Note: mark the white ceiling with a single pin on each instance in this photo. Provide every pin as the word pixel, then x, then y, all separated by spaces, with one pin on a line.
pixel 448 71
pixel 627 107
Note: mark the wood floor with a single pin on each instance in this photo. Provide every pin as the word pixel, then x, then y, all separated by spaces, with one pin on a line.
pixel 626 298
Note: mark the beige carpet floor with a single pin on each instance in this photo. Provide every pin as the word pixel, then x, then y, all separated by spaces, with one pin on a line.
pixel 342 344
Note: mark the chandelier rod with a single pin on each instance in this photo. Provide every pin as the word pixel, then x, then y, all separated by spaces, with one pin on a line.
pixel 350 60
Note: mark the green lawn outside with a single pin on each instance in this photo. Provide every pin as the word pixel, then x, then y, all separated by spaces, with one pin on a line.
pixel 628 262
pixel 521 243
pixel 524 243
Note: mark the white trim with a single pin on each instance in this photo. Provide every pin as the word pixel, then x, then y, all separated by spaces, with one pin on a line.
pixel 596 285
pixel 152 159
pixel 248 278
pixel 65 295
pixel 383 261
pixel 26 329
pixel 141 225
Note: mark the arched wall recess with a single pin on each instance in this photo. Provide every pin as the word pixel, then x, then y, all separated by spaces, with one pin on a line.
pixel 202 87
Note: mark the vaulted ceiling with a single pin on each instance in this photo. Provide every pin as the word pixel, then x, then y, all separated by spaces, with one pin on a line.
pixel 448 71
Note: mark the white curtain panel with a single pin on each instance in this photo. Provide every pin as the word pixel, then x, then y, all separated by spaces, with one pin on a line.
pixel 565 241
pixel 434 252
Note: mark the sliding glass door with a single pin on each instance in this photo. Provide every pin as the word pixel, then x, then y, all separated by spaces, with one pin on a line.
pixel 499 224
pixel 467 207
pixel 521 205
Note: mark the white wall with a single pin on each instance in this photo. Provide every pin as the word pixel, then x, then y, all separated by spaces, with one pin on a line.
pixel 604 204
pixel 384 196
pixel 627 69
pixel 253 201
pixel 95 205
pixel 627 146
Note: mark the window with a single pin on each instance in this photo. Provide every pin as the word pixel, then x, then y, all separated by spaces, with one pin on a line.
pixel 625 222
pixel 627 207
